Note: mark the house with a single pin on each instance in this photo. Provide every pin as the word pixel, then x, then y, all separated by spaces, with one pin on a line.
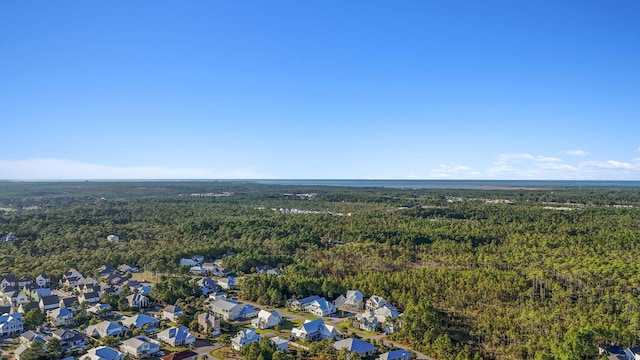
pixel 11 324
pixel 89 284
pixel 362 347
pixel 105 270
pixel 141 320
pixel 103 353
pixel 139 346
pixel 339 301
pixel 188 262
pixel 113 238
pixel 354 300
pixel 176 336
pixel 171 312
pixel 243 338
pixel 16 297
pixel 375 302
pixel 182 355
pixel 60 317
pixel 30 336
pixel 198 258
pixel 207 286
pixel 24 281
pixel 320 307
pixel 138 301
pixel 105 328
pixel 300 304
pixel 280 343
pixel 70 338
pixel 210 323
pixel 91 297
pixel 71 303
pixel 197 270
pixel 388 316
pixel 127 268
pixel 366 320
pixel 72 278
pixel 99 309
pixel 49 303
pixel 313 330
pixel 247 312
pixel 226 309
pixel 268 270
pixel 7 280
pixel 399 354
pixel 227 283
pixel 43 281
pixel 266 320
pixel 37 293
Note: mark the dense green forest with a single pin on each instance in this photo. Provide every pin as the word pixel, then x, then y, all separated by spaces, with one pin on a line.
pixel 505 274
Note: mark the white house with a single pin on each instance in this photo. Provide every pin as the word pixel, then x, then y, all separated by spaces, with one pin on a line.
pixel 244 337
pixel 11 324
pixel 171 312
pixel 375 302
pixel 49 303
pixel 105 328
pixel 313 330
pixel 70 338
pixel 280 343
pixel 90 297
pixel 138 301
pixel 60 317
pixel 320 307
pixel 300 304
pixel 354 300
pixel 266 320
pixel 103 353
pixel 140 346
pixel 113 238
pixel 43 281
pixel 140 320
pixel 176 336
pixel 227 309
pixel 188 262
pixel 227 283
pixel 207 286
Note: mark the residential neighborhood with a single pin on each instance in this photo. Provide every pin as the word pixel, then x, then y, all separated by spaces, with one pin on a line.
pixel 78 313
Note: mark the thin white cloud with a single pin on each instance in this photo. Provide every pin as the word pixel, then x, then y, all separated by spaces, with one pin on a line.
pixel 453 172
pixel 34 169
pixel 577 152
pixel 610 164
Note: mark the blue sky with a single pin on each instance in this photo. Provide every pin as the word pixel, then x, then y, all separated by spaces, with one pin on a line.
pixel 320 89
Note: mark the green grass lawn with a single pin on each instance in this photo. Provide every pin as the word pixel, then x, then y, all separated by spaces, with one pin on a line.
pixel 303 314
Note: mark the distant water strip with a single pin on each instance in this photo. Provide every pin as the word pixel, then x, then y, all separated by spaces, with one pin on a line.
pixel 455 184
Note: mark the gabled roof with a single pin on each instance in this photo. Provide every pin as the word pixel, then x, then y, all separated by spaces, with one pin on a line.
pixel 357 345
pixel 50 300
pixel 68 301
pixel 139 320
pixel 225 304
pixel 59 312
pixel 396 355
pixel 308 299
pixel 33 335
pixel 172 309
